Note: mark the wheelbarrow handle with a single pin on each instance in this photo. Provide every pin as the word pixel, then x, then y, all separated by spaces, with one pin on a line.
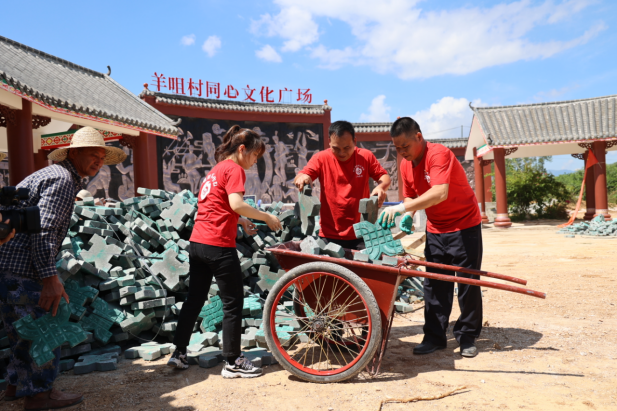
pixel 408 260
pixel 462 280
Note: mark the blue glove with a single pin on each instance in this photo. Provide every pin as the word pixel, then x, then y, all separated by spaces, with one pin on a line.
pixel 406 224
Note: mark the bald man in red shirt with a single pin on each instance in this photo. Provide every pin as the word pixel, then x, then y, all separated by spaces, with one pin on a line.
pixel 343 172
pixel 434 180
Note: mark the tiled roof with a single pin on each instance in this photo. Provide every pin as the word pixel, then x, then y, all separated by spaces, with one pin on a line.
pixel 181 100
pixel 385 128
pixel 65 87
pixel 450 142
pixel 574 120
pixel 372 127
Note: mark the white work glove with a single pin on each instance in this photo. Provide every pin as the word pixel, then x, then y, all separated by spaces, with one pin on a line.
pixel 388 215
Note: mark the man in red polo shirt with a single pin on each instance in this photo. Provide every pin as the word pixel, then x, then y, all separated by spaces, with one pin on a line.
pixel 434 180
pixel 343 173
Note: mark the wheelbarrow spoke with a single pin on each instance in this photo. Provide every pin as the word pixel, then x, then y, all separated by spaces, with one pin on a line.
pixel 329 316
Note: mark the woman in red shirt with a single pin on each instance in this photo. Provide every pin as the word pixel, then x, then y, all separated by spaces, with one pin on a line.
pixel 212 252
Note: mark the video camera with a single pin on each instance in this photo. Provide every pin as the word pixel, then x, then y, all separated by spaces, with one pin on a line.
pixel 25 220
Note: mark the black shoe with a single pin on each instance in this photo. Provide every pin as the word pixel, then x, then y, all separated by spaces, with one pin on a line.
pixel 178 360
pixel 243 368
pixel 427 347
pixel 469 350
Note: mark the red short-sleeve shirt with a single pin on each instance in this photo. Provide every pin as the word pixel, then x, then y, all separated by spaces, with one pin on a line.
pixel 343 185
pixel 216 223
pixel 440 166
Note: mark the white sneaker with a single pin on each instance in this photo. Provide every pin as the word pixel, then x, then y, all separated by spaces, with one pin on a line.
pixel 178 360
pixel 243 368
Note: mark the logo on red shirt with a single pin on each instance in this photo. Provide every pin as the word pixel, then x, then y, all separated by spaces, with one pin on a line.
pixel 427 177
pixel 207 186
pixel 358 170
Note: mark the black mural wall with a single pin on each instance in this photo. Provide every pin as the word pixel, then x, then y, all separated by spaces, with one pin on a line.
pixel 386 155
pixel 184 162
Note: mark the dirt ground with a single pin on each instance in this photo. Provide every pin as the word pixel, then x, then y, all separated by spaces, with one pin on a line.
pixel 558 353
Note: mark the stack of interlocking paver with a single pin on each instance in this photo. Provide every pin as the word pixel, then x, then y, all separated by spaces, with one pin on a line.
pixel 598 226
pixel 125 269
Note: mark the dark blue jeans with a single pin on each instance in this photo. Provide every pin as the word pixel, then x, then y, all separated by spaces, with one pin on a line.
pixel 462 249
pixel 223 264
pixel 19 297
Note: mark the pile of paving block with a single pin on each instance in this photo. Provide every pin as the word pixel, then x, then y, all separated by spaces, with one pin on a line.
pixel 598 226
pixel 125 268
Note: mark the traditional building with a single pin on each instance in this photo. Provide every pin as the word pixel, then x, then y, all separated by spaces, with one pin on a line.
pixel 573 127
pixel 292 133
pixel 43 97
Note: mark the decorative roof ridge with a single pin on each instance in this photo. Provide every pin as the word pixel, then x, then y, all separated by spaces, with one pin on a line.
pixel 384 123
pixel 180 97
pixel 48 56
pixel 448 139
pixel 541 104
pixel 143 103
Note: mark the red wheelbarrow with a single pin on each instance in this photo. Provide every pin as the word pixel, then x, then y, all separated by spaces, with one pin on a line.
pixel 327 319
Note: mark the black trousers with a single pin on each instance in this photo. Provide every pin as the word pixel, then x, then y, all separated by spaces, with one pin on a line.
pixel 357 244
pixel 462 249
pixel 222 263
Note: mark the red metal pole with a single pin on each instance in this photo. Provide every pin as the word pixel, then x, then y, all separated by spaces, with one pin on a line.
pixel 463 270
pixel 502 219
pixel 463 280
pixel 20 145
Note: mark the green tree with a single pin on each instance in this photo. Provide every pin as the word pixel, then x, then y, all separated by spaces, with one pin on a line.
pixel 533 191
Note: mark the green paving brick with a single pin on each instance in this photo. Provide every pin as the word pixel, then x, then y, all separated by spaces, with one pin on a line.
pixel 171 269
pixel 377 240
pixel 78 297
pixel 212 314
pixel 90 363
pixel 49 332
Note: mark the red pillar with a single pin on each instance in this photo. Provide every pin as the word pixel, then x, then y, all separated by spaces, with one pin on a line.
pixel 590 191
pixel 478 171
pixel 19 143
pixel 40 160
pixel 145 164
pixel 599 148
pixel 502 219
pixel 488 183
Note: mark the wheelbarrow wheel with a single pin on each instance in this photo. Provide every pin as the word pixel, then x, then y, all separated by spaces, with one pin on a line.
pixel 322 322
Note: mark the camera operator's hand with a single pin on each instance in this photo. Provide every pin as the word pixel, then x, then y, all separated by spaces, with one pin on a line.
pixel 11 234
pixel 52 293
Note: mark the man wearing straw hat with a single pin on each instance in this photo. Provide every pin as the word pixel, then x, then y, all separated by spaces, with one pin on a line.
pixel 29 284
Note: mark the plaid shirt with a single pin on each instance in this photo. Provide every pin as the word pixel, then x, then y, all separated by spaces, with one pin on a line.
pixel 53 189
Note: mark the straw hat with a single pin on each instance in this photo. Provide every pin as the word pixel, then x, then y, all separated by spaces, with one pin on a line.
pixel 89 137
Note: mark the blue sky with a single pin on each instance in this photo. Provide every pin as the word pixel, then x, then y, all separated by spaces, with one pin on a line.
pixel 372 61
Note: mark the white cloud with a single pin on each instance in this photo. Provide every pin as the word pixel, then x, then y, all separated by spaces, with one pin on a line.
pixel 444 118
pixel 267 53
pixel 397 36
pixel 188 40
pixel 294 24
pixel 211 45
pixel 377 111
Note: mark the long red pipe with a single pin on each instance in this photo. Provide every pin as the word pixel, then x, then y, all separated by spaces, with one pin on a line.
pixel 463 270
